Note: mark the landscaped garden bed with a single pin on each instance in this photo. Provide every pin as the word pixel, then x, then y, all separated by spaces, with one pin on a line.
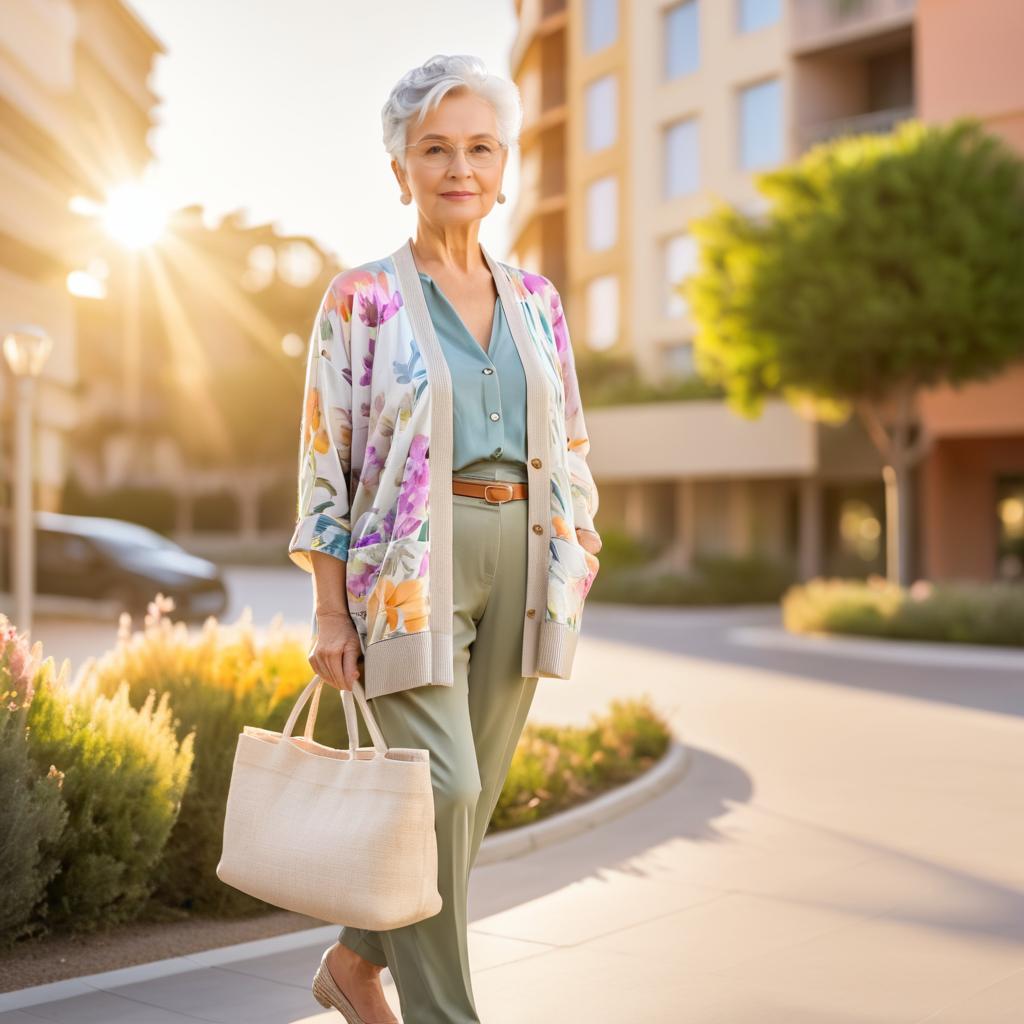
pixel 114 785
pixel 967 613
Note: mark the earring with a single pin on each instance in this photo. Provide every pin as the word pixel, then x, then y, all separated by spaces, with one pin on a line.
pixel 501 197
pixel 406 198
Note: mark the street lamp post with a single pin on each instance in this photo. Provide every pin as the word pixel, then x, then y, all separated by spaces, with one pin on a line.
pixel 26 349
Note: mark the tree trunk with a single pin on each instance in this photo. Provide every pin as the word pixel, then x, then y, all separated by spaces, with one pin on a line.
pixel 898 516
pixel 900 453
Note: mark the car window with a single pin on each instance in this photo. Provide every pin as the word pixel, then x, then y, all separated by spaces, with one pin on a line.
pixel 62 551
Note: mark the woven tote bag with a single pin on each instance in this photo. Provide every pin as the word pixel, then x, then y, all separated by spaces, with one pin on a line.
pixel 345 836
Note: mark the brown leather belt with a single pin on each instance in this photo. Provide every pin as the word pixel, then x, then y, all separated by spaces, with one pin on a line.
pixel 494 491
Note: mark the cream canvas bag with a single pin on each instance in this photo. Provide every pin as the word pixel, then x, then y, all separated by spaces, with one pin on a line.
pixel 345 836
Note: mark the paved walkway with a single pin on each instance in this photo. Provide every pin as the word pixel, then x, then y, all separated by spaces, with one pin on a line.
pixel 847 847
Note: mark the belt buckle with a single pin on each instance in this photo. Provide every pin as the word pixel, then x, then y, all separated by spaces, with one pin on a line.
pixel 497 501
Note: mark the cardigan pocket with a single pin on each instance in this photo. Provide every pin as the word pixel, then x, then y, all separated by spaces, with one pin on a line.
pixel 571 574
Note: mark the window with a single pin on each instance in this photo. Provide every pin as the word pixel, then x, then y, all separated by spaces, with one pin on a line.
pixel 678 360
pixel 679 259
pixel 682 39
pixel 1010 527
pixel 761 124
pixel 603 311
pixel 755 14
pixel 602 214
pixel 602 113
pixel 601 24
pixel 682 158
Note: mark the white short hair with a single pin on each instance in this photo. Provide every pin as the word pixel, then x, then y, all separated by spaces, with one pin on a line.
pixel 422 89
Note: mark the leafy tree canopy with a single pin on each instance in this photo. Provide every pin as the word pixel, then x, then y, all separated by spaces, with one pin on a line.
pixel 885 262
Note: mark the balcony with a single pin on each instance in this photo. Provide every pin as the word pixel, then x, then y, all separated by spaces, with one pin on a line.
pixel 537 19
pixel 700 438
pixel 859 124
pixel 818 25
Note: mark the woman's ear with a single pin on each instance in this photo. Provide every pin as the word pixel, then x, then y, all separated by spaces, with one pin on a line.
pixel 399 175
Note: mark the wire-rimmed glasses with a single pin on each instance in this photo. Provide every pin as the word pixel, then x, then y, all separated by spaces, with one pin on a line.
pixel 437 153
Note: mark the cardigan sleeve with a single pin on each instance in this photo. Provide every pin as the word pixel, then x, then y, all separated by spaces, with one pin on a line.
pixel 581 480
pixel 323 511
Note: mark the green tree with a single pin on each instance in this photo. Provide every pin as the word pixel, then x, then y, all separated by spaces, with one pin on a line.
pixel 883 264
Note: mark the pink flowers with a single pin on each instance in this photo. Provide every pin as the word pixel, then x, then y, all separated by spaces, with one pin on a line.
pixel 19 664
pixel 375 305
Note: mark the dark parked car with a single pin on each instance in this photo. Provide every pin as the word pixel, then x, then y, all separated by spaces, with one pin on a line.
pixel 114 560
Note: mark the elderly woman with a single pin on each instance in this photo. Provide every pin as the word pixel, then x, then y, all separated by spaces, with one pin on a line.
pixel 446 510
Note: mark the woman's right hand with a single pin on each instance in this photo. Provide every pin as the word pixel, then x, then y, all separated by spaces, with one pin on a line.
pixel 336 652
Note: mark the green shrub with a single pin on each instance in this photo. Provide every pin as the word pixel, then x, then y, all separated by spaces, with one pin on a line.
pixel 979 613
pixel 221 678
pixel 218 679
pixel 32 811
pixel 124 773
pixel 555 767
pixel 149 506
pixel 621 551
pixel 607 379
pixel 712 579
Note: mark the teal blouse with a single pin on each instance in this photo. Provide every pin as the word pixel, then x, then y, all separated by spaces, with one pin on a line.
pixel 489 390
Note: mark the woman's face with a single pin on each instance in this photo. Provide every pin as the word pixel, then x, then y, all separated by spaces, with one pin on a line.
pixel 464 120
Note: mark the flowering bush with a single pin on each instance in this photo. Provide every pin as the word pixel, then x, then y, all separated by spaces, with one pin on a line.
pixel 555 767
pixel 32 812
pixel 218 680
pixel 92 789
pixel 979 613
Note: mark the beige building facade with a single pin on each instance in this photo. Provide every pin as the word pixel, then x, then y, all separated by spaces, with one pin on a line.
pixel 639 115
pixel 75 108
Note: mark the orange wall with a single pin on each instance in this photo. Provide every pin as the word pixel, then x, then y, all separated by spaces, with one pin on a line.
pixel 970 62
pixel 958 505
pixel 977 408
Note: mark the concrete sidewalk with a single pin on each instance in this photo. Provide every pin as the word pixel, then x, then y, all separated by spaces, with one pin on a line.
pixel 845 847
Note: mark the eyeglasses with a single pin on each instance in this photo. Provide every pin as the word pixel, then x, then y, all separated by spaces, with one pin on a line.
pixel 436 153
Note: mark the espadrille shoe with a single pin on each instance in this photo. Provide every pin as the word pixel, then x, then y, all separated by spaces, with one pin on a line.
pixel 327 993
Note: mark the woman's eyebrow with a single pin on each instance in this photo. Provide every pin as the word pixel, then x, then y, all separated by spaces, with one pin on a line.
pixel 446 138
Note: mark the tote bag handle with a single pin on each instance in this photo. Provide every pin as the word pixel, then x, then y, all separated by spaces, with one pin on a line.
pixel 348 699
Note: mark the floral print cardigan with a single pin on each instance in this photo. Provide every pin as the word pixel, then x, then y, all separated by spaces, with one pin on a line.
pixel 375 467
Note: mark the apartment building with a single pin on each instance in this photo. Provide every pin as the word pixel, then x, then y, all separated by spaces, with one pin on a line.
pixel 75 109
pixel 974 471
pixel 637 115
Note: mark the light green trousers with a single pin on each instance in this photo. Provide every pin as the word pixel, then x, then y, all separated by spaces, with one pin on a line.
pixel 471 729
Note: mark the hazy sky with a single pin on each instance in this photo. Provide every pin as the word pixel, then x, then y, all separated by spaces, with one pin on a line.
pixel 273 106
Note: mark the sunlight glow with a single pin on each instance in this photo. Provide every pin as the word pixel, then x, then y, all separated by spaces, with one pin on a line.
pixel 292 345
pixel 82 284
pixel 134 215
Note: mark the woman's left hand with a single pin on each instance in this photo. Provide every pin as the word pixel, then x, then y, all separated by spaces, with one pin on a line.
pixel 589 540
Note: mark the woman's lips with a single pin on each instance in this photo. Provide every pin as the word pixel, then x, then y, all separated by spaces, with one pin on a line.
pixel 458 195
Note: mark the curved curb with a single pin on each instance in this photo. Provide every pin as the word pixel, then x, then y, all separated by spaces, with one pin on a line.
pixel 914 652
pixel 668 770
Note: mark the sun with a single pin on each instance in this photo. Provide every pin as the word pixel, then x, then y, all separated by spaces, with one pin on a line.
pixel 134 215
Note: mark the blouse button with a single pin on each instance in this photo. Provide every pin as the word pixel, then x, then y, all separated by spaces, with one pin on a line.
pixel 535 463
pixel 530 612
pixel 537 528
pixel 487 369
pixel 495 416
